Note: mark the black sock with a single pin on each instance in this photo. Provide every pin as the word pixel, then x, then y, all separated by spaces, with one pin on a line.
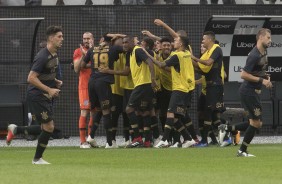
pixel 206 129
pixel 183 131
pixel 29 130
pixel 96 121
pixel 125 126
pixel 108 127
pixel 93 130
pixel 155 127
pixel 175 136
pixel 42 144
pixel 133 120
pixel 212 136
pixel 191 130
pixel 167 128
pixel 248 137
pixel 163 121
pixel 147 128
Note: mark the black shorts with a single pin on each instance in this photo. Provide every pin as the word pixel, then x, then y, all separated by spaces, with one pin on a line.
pixel 141 98
pixel 117 101
pixel 41 108
pixel 100 94
pixel 164 98
pixel 179 101
pixel 214 98
pixel 252 106
pixel 202 103
pixel 126 96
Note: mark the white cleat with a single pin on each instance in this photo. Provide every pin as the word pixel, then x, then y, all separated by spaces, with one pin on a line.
pixel 40 162
pixel 11 133
pixel 126 143
pixel 157 140
pixel 221 133
pixel 85 145
pixel 244 154
pixel 113 146
pixel 92 142
pixel 188 144
pixel 225 143
pixel 176 145
pixel 162 144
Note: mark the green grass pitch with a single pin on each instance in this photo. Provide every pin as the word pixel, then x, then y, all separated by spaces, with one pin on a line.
pixel 72 165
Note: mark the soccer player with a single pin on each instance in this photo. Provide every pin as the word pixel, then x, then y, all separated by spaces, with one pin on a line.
pixel 143 76
pixel 183 82
pixel 84 75
pixel 42 90
pixel 214 85
pixel 254 76
pixel 99 86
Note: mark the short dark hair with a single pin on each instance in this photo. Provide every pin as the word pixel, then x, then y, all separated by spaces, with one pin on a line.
pixel 182 33
pixel 262 32
pixel 52 30
pixel 129 37
pixel 107 38
pixel 149 42
pixel 210 34
pixel 165 39
pixel 185 41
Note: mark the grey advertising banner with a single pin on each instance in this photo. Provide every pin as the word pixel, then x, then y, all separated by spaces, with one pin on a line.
pixel 237 37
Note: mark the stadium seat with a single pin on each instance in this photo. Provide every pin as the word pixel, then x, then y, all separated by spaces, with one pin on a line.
pixel 12 109
pixel 278 103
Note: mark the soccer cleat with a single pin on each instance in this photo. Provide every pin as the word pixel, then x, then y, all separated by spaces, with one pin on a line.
pixel 221 133
pixel 188 144
pixel 225 143
pixel 11 133
pixel 162 144
pixel 244 154
pixel 85 145
pixel 126 143
pixel 157 140
pixel 40 162
pixel 92 142
pixel 236 138
pixel 137 142
pixel 147 144
pixel 201 145
pixel 176 145
pixel 113 146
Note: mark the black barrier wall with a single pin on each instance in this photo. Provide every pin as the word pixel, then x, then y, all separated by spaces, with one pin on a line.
pixel 101 19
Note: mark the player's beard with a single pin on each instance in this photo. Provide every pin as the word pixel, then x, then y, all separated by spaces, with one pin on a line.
pixel 265 46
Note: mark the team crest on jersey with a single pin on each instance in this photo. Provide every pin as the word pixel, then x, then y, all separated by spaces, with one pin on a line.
pixel 257 112
pixel 180 110
pixel 85 102
pixel 44 115
pixel 144 103
pixel 33 117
